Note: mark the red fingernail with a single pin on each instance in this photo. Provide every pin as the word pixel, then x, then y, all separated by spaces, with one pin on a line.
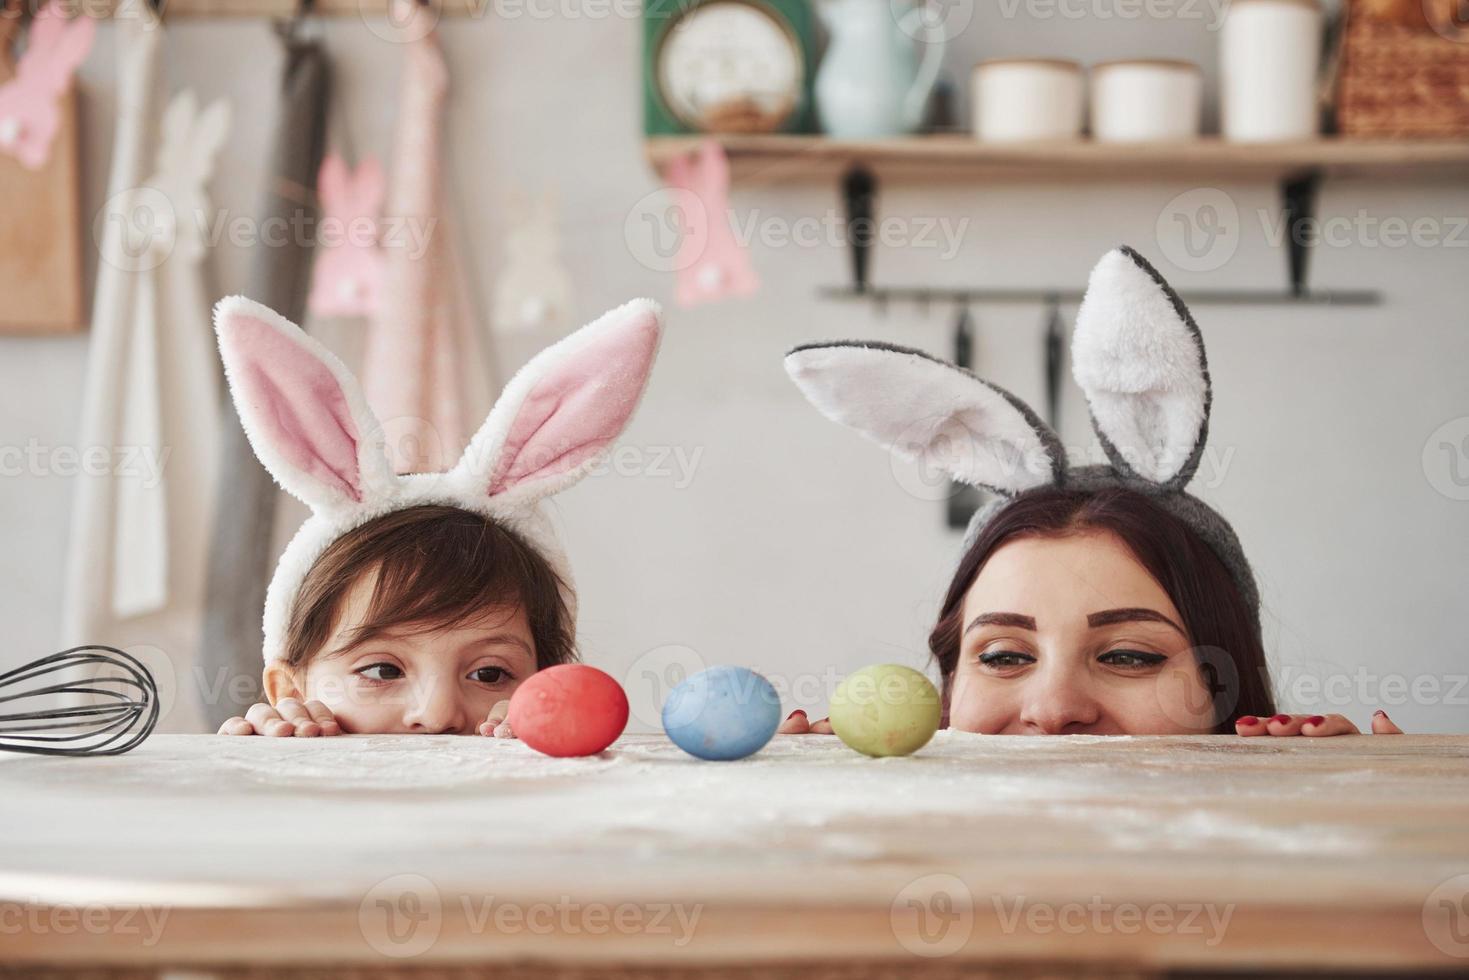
pixel 793 714
pixel 1281 719
pixel 1248 720
pixel 1315 720
pixel 1379 711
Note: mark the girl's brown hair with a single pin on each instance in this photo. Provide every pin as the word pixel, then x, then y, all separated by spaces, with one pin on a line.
pixel 1223 628
pixel 437 567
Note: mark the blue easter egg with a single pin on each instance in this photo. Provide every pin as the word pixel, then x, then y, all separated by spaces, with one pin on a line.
pixel 722 713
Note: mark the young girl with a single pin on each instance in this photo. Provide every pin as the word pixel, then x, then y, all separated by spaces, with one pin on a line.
pixel 1090 599
pixel 418 603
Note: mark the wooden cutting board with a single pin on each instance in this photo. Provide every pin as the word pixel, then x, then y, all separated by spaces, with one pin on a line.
pixel 41 226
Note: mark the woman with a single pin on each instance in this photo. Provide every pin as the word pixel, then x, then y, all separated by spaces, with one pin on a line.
pixel 1092 599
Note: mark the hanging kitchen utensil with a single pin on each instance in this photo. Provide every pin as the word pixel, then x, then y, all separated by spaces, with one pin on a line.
pixel 1054 354
pixel 240 556
pixel 964 499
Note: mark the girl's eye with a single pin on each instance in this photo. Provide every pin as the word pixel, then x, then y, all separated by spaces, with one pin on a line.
pixel 1005 658
pixel 1131 659
pixel 489 675
pixel 381 672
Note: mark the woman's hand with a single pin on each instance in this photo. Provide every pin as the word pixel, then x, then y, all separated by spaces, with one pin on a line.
pixel 796 723
pixel 496 724
pixel 289 717
pixel 1313 726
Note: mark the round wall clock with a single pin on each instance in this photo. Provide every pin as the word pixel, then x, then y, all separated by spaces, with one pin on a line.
pixel 730 66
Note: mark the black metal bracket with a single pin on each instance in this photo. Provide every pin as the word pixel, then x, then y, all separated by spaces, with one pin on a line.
pixel 1298 208
pixel 1298 193
pixel 883 295
pixel 859 195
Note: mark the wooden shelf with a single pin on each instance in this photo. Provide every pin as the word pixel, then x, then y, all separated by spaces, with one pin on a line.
pixel 777 158
pixel 274 9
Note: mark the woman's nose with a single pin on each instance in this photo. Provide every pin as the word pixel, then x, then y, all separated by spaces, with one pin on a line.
pixel 1059 701
pixel 437 709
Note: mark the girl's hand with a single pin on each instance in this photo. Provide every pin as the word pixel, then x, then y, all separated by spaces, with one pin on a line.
pixel 1313 726
pixel 289 717
pixel 495 724
pixel 796 723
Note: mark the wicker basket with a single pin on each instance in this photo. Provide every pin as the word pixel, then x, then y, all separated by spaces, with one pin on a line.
pixel 1404 70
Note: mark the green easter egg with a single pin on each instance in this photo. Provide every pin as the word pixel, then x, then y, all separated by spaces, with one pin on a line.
pixel 886 709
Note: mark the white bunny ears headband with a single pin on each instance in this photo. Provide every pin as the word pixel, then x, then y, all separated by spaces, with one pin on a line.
pixel 1136 353
pixel 309 423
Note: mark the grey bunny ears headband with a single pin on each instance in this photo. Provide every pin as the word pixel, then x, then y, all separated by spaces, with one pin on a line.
pixel 1136 353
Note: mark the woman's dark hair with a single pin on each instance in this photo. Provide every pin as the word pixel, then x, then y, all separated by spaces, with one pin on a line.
pixel 1224 630
pixel 438 567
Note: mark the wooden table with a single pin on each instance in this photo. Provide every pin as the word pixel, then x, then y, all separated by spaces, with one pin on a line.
pixel 978 856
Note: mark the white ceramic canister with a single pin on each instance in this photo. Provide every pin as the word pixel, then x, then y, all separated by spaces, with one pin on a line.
pixel 1018 99
pixel 1269 58
pixel 1146 100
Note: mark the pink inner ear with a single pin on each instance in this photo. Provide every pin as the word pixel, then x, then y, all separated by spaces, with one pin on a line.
pixel 579 406
pixel 295 403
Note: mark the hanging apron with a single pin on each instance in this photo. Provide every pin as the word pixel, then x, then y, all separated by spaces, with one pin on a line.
pixel 141 509
pixel 422 362
pixel 241 552
pixel 87 605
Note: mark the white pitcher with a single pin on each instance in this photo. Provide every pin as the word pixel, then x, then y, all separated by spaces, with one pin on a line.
pixel 871 83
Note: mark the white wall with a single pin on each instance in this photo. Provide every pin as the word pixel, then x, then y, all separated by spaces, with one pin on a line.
pixel 796 548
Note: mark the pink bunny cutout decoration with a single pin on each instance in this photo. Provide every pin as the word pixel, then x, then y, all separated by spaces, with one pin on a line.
pixel 309 423
pixel 347 276
pixel 29 114
pixel 710 262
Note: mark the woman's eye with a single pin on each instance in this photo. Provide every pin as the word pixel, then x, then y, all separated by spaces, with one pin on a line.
pixel 1131 659
pixel 381 672
pixel 1005 658
pixel 489 675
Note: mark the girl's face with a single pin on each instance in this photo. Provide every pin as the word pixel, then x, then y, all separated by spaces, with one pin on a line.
pixel 442 682
pixel 1072 636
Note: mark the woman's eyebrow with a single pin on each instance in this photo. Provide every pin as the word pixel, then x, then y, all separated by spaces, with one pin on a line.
pixel 1001 619
pixel 1135 614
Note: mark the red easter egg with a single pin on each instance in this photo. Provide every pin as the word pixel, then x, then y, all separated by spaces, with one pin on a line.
pixel 570 709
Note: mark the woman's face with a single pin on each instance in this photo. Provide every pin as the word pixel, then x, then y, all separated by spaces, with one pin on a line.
pixel 428 683
pixel 1071 636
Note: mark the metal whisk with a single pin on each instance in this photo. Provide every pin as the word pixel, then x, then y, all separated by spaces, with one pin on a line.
pixel 94 700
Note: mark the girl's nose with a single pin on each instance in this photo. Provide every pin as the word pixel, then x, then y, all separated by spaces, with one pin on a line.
pixel 1059 701
pixel 437 709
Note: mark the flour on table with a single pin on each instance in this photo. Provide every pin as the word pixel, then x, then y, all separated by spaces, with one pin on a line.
pixel 316 819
